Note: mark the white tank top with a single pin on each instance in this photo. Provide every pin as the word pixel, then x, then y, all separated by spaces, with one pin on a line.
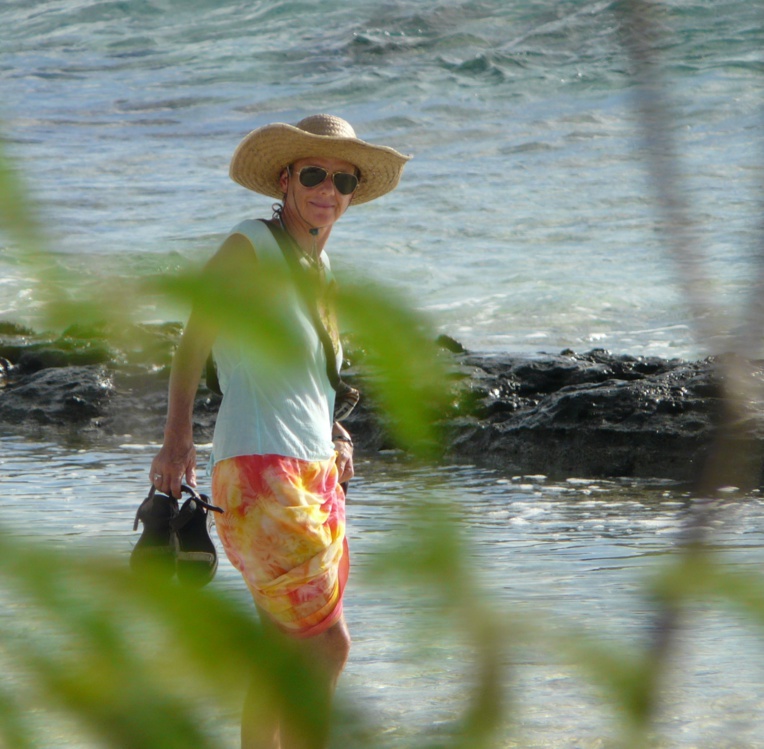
pixel 269 408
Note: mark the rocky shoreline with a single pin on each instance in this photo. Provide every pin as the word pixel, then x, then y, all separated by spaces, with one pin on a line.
pixel 593 414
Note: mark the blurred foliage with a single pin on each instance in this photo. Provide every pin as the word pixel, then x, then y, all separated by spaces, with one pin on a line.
pixel 404 371
pixel 140 663
pixel 144 665
pixel 136 660
pixel 16 213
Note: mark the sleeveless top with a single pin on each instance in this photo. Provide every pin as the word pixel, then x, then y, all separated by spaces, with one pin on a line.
pixel 270 407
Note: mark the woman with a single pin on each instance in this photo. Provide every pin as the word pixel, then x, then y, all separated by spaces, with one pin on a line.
pixel 279 457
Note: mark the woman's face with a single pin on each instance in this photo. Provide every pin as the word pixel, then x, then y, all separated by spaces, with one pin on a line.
pixel 318 206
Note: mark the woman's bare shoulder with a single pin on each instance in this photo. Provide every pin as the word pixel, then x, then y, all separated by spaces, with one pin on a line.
pixel 236 252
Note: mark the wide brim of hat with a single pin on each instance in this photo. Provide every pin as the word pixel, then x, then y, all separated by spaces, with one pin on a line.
pixel 262 155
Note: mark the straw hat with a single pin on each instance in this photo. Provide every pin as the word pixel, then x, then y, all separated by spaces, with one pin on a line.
pixel 260 158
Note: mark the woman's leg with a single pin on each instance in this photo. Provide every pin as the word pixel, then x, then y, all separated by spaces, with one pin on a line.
pixel 264 726
pixel 284 529
pixel 260 721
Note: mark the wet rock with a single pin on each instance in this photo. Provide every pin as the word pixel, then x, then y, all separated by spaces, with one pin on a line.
pixel 593 414
pixel 64 398
pixel 86 382
pixel 6 370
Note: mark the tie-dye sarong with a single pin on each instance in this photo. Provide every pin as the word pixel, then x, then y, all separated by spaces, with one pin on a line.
pixel 284 529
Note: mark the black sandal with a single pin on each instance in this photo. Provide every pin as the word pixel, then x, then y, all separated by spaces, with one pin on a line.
pixel 196 557
pixel 157 547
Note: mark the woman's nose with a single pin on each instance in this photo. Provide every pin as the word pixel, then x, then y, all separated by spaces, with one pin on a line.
pixel 327 186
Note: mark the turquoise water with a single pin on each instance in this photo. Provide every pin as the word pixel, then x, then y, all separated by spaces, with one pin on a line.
pixel 522 224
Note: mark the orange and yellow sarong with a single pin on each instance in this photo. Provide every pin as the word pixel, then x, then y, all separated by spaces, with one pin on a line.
pixel 284 529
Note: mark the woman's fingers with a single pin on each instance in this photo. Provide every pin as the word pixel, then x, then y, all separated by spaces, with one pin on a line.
pixel 167 472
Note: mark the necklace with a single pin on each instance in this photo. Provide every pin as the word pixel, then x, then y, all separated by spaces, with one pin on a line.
pixel 309 261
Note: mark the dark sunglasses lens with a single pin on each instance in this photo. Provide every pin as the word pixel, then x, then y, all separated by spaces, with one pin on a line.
pixel 345 183
pixel 312 176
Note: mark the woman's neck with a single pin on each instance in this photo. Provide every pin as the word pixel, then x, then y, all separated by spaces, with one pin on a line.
pixel 311 240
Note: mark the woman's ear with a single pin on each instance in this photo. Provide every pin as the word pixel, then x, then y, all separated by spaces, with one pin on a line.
pixel 284 180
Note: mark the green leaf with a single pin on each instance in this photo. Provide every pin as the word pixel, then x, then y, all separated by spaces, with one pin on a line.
pixel 407 375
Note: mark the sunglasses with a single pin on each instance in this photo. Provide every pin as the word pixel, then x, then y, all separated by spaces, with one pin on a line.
pixel 312 176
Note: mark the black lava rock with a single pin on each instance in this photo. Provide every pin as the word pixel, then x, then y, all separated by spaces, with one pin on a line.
pixel 592 415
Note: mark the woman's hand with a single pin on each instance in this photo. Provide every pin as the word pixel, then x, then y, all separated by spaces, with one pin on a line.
pixel 343 446
pixel 174 462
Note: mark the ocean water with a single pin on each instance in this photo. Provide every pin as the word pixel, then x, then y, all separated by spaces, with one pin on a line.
pixel 524 222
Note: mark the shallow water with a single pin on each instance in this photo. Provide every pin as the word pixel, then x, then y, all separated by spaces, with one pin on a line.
pixel 575 551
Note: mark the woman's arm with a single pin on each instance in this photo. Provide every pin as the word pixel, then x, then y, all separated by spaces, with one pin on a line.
pixel 176 460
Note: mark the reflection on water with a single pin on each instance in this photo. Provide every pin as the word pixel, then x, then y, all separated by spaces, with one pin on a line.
pixel 576 550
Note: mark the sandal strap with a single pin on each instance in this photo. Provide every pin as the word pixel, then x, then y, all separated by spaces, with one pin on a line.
pixel 142 508
pixel 202 499
pixel 189 510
